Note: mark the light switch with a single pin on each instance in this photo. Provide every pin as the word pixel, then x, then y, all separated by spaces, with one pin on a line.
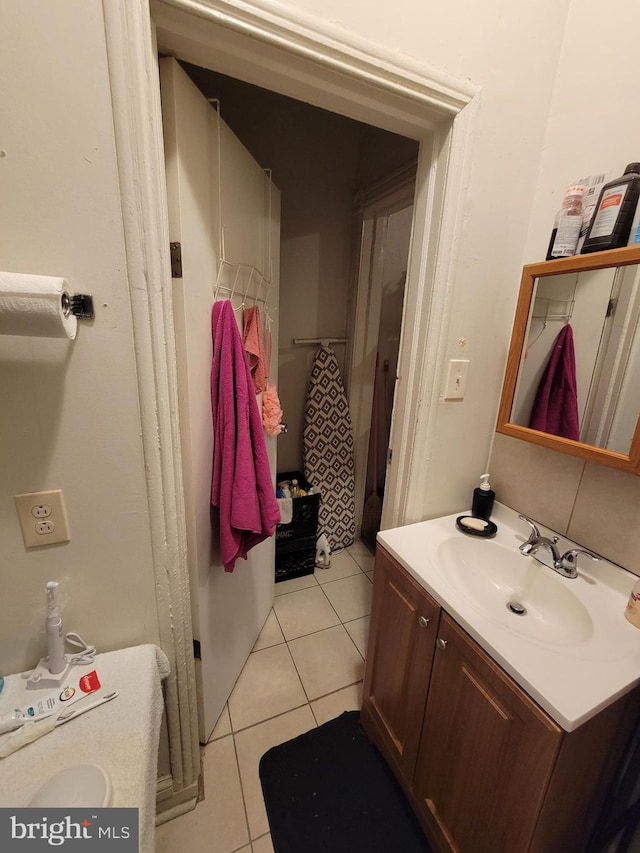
pixel 456 380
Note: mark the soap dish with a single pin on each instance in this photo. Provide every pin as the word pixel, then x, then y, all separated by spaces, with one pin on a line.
pixel 487 531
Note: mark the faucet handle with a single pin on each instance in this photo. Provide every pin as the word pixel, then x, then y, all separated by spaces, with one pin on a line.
pixel 570 557
pixel 568 563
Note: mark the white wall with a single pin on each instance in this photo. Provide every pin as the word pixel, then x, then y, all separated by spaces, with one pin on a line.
pixel 74 424
pixel 592 128
pixel 61 215
pixel 69 410
pixel 510 51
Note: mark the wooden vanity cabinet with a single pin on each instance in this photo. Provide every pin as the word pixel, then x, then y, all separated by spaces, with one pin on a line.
pixel 484 767
pixel 486 755
pixel 404 624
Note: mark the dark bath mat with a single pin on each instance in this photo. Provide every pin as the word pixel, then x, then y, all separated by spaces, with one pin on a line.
pixel 330 791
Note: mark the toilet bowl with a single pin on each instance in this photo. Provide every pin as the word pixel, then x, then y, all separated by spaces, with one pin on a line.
pixel 78 786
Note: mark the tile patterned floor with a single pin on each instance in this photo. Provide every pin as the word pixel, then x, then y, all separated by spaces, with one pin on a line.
pixel 306 668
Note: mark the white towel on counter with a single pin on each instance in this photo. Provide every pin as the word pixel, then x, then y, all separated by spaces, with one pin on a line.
pixel 121 736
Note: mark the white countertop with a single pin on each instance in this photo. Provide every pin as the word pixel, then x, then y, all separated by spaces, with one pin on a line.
pixel 571 680
pixel 121 735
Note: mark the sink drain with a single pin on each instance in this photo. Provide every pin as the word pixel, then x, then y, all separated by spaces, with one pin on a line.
pixel 517 608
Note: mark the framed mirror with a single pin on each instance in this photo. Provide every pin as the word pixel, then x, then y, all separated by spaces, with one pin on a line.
pixel 572 381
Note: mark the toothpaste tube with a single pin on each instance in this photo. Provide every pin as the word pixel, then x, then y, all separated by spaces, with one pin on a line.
pixel 51 702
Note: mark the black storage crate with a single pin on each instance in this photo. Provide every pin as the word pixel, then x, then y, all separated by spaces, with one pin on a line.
pixel 305 512
pixel 296 541
pixel 295 558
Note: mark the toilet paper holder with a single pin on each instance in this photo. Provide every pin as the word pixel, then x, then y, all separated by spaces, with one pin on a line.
pixel 79 304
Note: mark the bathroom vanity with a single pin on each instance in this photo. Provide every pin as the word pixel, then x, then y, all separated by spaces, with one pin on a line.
pixel 503 728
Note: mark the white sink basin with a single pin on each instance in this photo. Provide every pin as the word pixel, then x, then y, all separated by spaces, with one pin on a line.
pixel 517 591
pixel 571 648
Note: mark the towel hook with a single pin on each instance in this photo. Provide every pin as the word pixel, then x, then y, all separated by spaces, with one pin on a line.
pixel 248 287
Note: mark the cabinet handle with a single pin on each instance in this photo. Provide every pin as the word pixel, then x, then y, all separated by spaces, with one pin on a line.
pixel 423 621
pixel 441 644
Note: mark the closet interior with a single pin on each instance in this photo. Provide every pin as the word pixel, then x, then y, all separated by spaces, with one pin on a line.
pixel 346 193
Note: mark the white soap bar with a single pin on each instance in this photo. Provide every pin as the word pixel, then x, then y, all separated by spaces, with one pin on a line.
pixel 475 523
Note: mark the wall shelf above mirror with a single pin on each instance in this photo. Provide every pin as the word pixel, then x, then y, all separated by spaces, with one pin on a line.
pixel 572 381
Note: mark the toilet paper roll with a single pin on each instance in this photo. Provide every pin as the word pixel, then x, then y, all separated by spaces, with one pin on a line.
pixel 34 305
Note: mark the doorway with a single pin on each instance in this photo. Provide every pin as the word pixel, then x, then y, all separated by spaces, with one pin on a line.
pixel 317 62
pixel 347 193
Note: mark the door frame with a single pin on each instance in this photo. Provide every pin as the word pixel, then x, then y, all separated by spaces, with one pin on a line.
pixel 307 58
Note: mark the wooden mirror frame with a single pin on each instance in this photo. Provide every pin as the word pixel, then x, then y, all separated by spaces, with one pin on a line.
pixel 531 272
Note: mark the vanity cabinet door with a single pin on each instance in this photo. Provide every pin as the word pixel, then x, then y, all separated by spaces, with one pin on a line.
pixel 486 754
pixel 404 622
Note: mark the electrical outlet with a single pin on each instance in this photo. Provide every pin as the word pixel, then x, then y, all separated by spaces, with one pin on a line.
pixel 41 511
pixel 43 518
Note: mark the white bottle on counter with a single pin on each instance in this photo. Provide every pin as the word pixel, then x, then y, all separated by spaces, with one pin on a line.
pixel 632 610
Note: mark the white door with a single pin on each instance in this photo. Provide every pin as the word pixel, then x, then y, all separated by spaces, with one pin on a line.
pixel 220 202
pixel 386 216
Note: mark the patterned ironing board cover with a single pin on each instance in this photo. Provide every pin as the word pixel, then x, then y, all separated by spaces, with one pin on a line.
pixel 328 449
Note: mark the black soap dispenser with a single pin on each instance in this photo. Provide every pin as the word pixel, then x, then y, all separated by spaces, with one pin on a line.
pixel 483 498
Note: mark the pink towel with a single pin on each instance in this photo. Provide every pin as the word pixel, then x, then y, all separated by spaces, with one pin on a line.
pixel 555 408
pixel 254 347
pixel 242 489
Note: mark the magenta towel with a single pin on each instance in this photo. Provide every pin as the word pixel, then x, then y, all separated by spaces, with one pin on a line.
pixel 241 486
pixel 555 408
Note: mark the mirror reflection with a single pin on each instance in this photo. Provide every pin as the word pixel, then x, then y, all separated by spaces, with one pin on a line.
pixel 579 370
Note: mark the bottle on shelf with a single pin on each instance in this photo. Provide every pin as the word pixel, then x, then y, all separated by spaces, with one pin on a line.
pixel 566 228
pixel 614 213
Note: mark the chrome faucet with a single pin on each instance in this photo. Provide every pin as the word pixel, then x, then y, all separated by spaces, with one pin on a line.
pixel 546 551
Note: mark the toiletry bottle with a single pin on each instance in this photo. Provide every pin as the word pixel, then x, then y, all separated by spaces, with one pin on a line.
pixel 632 611
pixel 566 229
pixel 483 497
pixel 613 216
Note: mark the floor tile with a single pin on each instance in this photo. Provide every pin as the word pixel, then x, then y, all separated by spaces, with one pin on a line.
pixel 271 634
pixel 327 661
pixel 359 547
pixel 350 597
pixel 306 668
pixel 342 565
pixel 331 706
pixel 358 630
pixel 268 685
pixel 304 612
pixel 362 555
pixel 251 745
pixel 283 587
pixel 217 824
pixel 223 726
